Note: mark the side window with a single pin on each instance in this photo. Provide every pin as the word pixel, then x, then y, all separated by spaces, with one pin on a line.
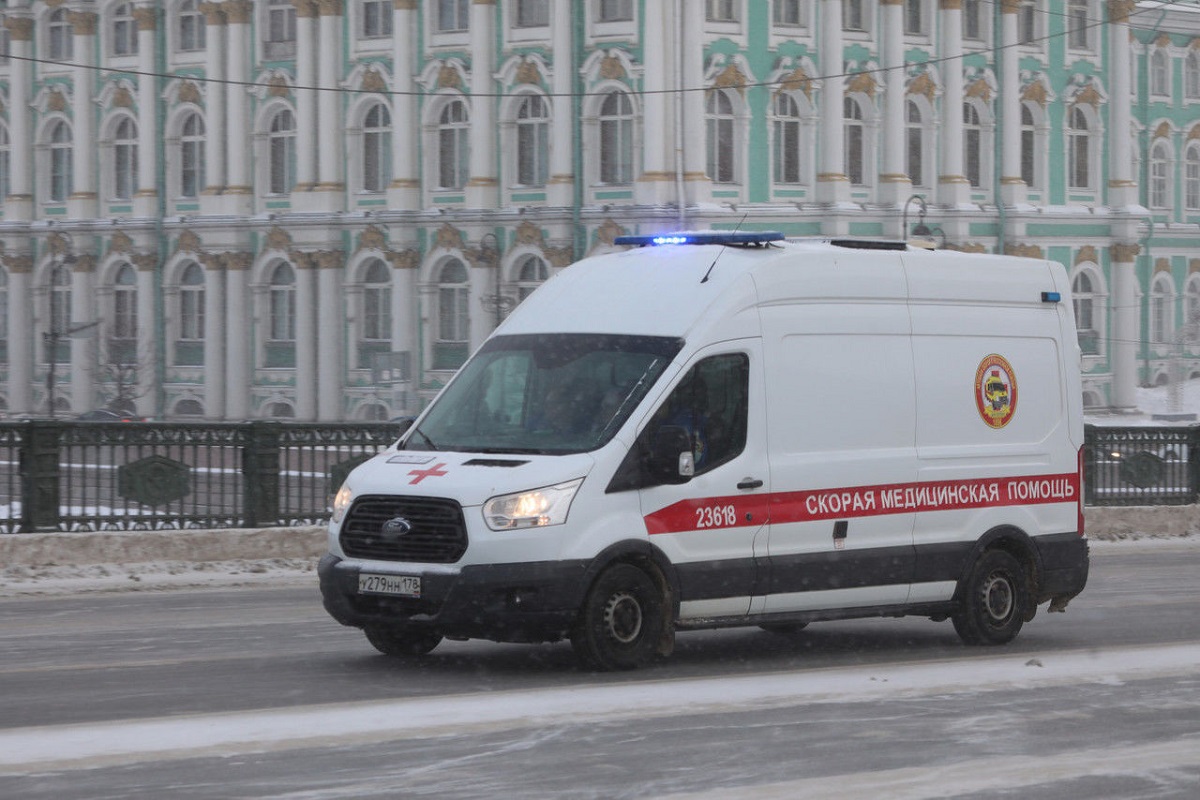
pixel 710 404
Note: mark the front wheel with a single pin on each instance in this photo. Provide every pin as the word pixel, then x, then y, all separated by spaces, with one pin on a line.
pixel 994 600
pixel 402 642
pixel 621 624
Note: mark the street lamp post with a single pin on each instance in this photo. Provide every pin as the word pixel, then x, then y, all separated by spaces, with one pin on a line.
pixel 52 337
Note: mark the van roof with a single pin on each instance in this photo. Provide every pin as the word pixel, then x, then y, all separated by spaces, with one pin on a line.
pixel 668 289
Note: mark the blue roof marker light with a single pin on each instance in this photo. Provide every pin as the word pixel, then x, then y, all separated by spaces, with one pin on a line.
pixel 736 238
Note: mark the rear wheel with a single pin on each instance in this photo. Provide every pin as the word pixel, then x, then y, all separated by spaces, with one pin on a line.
pixel 402 642
pixel 993 601
pixel 621 624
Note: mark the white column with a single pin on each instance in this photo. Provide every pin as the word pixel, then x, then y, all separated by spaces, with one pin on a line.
pixel 1122 188
pixel 561 189
pixel 332 116
pixel 697 184
pixel 82 202
pixel 239 336
pixel 308 59
pixel 481 188
pixel 20 348
pixel 404 313
pixel 832 184
pixel 215 306
pixel 482 320
pixel 655 181
pixel 1125 329
pixel 147 337
pixel 238 133
pixel 894 184
pixel 1013 190
pixel 83 349
pixel 145 200
pixel 19 203
pixel 953 186
pixel 331 311
pixel 405 189
pixel 306 336
pixel 215 138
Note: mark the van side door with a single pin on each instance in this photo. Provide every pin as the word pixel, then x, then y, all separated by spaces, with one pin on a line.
pixel 841 407
pixel 707 522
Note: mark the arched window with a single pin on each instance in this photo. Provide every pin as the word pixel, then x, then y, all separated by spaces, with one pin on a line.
pixel 1079 174
pixel 189 408
pixel 191 156
pixel 281 143
pixel 616 139
pixel 191 28
pixel 123 344
pixel 972 145
pixel 377 303
pixel 453 147
pixel 914 141
pixel 1084 300
pixel 787 139
pixel 189 350
pixel 1161 304
pixel 124 31
pixel 532 272
pixel 1191 306
pixel 721 145
pixel 1159 183
pixel 453 322
pixel 125 159
pixel 5 162
pixel 533 141
pixel 376 148
pixel 60 162
pixel 60 312
pixel 1028 144
pixel 59 35
pixel 1160 77
pixel 1191 76
pixel 280 411
pixel 3 315
pixel 855 141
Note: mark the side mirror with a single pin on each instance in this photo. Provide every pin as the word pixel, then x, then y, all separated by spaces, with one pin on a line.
pixel 671 458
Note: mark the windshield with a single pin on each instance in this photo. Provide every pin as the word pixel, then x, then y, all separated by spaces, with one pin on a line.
pixel 544 393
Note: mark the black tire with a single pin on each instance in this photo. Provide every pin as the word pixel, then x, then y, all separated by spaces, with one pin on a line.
pixel 784 628
pixel 621 624
pixel 993 601
pixel 402 642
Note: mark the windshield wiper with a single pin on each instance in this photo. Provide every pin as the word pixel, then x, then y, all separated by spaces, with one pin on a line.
pixel 428 441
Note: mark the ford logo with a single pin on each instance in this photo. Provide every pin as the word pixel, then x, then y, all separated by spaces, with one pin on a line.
pixel 396 527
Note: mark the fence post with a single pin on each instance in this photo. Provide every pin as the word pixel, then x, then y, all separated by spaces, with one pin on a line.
pixel 39 476
pixel 1194 462
pixel 260 470
pixel 1090 469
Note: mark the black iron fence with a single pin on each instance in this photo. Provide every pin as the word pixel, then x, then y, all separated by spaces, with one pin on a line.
pixel 70 476
pixel 1142 466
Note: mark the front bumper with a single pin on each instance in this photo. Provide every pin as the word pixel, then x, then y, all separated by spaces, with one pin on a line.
pixel 527 602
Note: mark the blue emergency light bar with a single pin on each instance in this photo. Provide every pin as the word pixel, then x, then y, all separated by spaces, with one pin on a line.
pixel 702 237
pixel 1051 297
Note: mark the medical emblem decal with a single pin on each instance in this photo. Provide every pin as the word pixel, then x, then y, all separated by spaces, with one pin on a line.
pixel 996 391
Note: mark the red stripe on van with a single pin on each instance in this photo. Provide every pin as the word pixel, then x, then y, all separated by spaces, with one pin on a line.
pixel 863 501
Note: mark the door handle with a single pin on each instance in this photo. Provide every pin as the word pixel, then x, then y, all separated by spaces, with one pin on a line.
pixel 749 483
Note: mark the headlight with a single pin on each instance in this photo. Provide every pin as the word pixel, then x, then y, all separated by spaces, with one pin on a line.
pixel 341 502
pixel 533 509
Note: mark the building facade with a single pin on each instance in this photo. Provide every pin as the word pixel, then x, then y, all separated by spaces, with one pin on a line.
pixel 316 209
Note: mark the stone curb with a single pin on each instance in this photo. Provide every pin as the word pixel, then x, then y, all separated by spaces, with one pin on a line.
pixel 118 547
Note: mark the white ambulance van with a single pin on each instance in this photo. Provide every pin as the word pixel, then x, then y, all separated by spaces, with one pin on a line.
pixel 722 429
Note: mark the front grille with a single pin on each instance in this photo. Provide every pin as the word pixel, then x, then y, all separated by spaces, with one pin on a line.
pixel 438 533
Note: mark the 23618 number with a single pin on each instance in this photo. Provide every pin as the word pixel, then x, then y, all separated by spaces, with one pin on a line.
pixel 716 517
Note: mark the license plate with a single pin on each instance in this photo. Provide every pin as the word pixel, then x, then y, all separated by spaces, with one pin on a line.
pixel 398 585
